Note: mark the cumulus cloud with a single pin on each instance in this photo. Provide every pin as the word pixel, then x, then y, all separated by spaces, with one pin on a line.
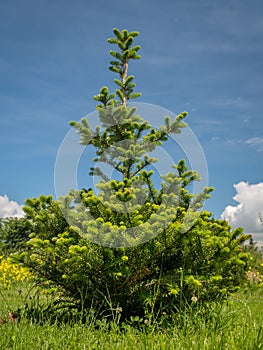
pixel 246 213
pixel 10 208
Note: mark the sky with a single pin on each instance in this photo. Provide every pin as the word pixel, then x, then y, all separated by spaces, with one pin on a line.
pixel 203 56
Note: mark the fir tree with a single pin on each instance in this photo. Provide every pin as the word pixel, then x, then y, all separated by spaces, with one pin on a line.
pixel 133 250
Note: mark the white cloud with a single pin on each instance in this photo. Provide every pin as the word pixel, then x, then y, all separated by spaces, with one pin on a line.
pixel 246 213
pixel 256 142
pixel 10 208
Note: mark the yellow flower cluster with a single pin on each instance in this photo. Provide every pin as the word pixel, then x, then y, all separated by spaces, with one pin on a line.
pixel 11 273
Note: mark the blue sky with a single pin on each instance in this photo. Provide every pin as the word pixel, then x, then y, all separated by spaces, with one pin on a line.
pixel 205 57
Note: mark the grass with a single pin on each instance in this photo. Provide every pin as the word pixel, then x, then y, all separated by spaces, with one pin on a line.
pixel 236 324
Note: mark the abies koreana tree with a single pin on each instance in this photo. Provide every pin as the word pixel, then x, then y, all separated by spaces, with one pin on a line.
pixel 135 248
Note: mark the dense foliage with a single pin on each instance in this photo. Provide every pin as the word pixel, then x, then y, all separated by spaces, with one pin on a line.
pixel 14 232
pixel 132 250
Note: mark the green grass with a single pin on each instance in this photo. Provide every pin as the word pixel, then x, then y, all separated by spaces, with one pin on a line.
pixel 236 324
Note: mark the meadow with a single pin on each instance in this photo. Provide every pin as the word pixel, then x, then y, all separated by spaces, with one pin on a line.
pixel 234 324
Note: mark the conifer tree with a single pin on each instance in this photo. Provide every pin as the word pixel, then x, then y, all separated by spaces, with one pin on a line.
pixel 135 249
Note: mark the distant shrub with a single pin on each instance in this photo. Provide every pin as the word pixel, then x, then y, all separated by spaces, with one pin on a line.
pixel 14 232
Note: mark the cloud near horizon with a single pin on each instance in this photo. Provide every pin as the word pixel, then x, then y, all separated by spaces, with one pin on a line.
pixel 246 213
pixel 10 208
